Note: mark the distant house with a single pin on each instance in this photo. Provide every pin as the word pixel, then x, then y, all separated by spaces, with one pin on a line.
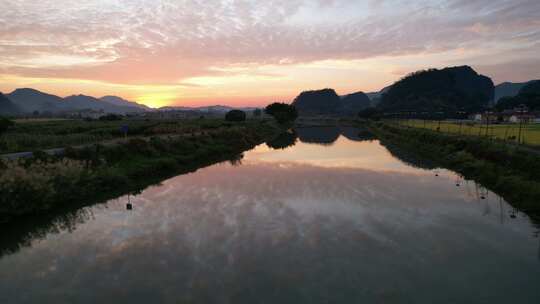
pixel 476 117
pixel 484 117
pixel 520 114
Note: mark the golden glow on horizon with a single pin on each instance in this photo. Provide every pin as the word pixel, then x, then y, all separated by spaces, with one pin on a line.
pixel 156 100
pixel 251 53
pixel 249 84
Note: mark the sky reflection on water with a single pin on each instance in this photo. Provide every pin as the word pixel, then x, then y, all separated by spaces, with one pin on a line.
pixel 338 223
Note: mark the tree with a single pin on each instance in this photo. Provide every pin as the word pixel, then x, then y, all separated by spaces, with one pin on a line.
pixel 370 113
pixel 5 124
pixel 283 141
pixel 235 115
pixel 282 112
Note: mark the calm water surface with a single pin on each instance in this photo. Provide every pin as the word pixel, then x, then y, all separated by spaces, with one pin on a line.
pixel 331 219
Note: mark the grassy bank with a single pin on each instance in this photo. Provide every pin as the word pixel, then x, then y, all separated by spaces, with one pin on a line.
pixel 100 172
pixel 511 171
pixel 530 133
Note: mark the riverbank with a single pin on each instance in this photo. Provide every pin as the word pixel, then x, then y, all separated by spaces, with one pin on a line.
pixel 96 173
pixel 509 170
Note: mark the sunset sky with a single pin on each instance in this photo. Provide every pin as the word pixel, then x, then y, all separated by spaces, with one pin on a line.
pixel 173 52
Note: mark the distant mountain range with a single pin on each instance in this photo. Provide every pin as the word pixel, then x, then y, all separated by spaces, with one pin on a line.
pixel 27 101
pixel 375 97
pixel 528 95
pixel 450 89
pixel 118 101
pixel 430 90
pixel 509 89
pixel 207 109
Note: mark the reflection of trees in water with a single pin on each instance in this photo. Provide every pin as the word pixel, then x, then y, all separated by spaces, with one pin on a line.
pixel 24 231
pixel 318 135
pixel 327 135
pixel 234 238
pixel 480 194
pixel 357 134
pixel 237 159
pixel 409 157
pixel 284 140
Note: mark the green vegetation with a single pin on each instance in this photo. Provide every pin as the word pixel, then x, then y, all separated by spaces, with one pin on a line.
pixel 235 115
pixel 45 134
pixel 5 124
pixel 447 90
pixel 529 96
pixel 99 172
pixel 511 171
pixel 282 112
pixel 530 133
pixel 370 113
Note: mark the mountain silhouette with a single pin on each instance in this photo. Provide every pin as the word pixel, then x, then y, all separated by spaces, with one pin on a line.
pixel 30 100
pixel 531 88
pixel 375 97
pixel 327 101
pixel 529 95
pixel 7 107
pixel 119 101
pixel 84 102
pixel 508 89
pixel 324 101
pixel 449 89
pixel 354 103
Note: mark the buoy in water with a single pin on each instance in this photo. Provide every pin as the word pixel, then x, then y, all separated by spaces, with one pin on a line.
pixel 482 197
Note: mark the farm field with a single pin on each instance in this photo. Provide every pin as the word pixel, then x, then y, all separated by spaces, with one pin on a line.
pixel 46 134
pixel 530 133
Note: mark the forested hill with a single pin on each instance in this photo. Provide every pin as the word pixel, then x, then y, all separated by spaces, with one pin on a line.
pixel 327 101
pixel 529 96
pixel 449 89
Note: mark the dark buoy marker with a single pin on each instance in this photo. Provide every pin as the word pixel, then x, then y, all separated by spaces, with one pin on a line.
pixel 129 206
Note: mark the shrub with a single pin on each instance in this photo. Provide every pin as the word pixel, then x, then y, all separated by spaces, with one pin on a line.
pixel 5 124
pixel 235 115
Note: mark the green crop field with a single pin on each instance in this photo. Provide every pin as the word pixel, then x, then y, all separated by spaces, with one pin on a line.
pixel 32 135
pixel 530 133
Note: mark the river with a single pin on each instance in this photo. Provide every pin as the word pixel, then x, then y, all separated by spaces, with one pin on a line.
pixel 329 217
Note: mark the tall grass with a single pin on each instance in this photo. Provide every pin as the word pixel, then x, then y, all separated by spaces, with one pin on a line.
pixel 98 172
pixel 511 171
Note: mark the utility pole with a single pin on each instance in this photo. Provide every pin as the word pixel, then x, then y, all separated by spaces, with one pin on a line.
pixel 520 117
pixel 487 123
